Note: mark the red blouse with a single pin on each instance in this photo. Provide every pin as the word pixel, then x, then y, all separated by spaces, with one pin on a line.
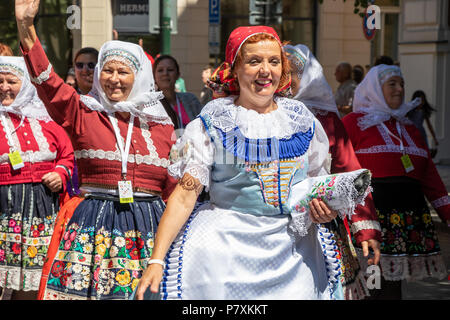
pixel 92 134
pixel 44 147
pixel 364 223
pixel 379 152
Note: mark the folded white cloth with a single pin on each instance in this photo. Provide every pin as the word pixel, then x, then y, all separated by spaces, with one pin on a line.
pixel 341 192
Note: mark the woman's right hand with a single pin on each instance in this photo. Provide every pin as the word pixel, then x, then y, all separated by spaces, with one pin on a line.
pixel 26 10
pixel 151 277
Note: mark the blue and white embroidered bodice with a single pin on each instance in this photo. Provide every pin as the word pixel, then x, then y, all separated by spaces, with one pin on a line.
pixel 249 161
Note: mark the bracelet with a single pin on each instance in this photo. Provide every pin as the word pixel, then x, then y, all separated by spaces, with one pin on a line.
pixel 158 261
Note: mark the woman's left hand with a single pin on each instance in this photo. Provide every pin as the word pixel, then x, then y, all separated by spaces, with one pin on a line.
pixel 320 212
pixel 53 181
pixel 375 245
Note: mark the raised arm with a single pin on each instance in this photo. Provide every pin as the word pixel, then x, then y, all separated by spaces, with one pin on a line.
pixel 60 99
pixel 26 11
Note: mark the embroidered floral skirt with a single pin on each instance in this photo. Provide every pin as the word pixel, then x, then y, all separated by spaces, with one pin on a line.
pixel 352 276
pixel 104 250
pixel 27 215
pixel 410 247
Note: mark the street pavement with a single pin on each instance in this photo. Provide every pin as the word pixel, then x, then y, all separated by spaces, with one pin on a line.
pixel 433 289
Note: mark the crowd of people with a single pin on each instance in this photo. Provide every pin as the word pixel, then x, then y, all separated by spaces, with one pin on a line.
pixel 116 183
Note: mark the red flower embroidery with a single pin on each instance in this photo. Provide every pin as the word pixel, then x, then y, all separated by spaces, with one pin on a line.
pixel 140 243
pixel 64 279
pixel 134 254
pixel 429 244
pixel 41 227
pixel 414 236
pixel 36 233
pixel 129 243
pixel 390 237
pixel 409 220
pixel 16 248
pixel 57 269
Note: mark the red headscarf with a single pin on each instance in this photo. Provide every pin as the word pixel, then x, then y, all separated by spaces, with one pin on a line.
pixel 222 81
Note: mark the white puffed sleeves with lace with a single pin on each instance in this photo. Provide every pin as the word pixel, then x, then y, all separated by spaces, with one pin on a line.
pixel 193 153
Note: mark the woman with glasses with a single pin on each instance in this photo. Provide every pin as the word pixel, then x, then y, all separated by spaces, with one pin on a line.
pixel 84 64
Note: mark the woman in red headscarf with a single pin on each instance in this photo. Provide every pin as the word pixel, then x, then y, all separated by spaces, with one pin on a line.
pixel 250 148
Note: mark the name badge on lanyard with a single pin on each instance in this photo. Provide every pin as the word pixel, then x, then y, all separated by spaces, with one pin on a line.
pixel 16 160
pixel 125 186
pixel 14 157
pixel 406 160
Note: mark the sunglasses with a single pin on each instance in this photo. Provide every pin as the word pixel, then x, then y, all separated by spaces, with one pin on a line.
pixel 80 65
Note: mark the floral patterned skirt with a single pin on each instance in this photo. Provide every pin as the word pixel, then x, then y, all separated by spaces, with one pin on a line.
pixel 104 249
pixel 410 247
pixel 27 215
pixel 352 276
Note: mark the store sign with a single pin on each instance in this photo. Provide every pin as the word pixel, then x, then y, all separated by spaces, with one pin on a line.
pixel 141 16
pixel 131 16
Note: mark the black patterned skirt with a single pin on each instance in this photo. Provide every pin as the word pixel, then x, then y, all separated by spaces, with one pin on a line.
pixel 410 247
pixel 352 277
pixel 104 249
pixel 27 215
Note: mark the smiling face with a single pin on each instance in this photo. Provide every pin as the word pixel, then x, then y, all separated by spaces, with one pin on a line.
pixel 84 71
pixel 166 74
pixel 9 88
pixel 116 80
pixel 394 92
pixel 260 69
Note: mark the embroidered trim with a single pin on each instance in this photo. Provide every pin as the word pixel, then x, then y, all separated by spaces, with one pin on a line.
pixel 44 76
pixel 123 56
pixel 393 149
pixel 20 279
pixel 151 159
pixel 171 284
pixel 291 117
pixel 265 150
pixel 115 156
pixel 11 68
pixel 443 201
pixel 390 147
pixel 365 225
pixel 408 267
pixel 331 256
pixel 42 155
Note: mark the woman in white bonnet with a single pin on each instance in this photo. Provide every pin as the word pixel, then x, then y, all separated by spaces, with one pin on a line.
pixel 36 159
pixel 122 138
pixel 389 144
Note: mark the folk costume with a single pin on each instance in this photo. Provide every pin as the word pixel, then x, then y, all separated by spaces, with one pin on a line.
pixel 247 242
pixel 317 95
pixel 31 145
pixel 122 168
pixel 389 144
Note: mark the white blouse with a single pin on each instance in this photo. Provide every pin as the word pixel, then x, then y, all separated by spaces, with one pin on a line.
pixel 194 151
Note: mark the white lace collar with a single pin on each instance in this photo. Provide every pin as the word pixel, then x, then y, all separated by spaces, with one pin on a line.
pixel 289 118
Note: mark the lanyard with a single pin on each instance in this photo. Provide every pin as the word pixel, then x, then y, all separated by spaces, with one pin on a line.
pixel 402 148
pixel 123 151
pixel 180 118
pixel 8 131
